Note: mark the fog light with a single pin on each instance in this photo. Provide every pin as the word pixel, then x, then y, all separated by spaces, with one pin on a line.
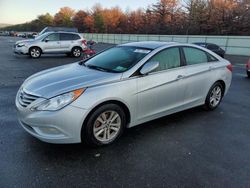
pixel 49 131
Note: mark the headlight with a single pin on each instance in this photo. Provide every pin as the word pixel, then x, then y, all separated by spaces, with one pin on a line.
pixel 58 102
pixel 20 45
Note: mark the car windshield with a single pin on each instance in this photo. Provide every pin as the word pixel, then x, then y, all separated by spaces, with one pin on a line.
pixel 41 36
pixel 117 59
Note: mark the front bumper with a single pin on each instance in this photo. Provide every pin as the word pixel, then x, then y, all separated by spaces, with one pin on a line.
pixel 21 50
pixel 62 126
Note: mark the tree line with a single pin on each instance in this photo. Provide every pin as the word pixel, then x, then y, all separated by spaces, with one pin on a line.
pixel 196 17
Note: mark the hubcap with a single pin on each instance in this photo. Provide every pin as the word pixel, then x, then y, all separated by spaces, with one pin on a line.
pixel 77 52
pixel 215 96
pixel 107 126
pixel 35 52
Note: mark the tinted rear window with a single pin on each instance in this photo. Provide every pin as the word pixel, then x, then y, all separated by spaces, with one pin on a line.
pixel 68 36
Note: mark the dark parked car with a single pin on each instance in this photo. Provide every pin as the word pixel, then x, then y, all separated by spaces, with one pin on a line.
pixel 213 47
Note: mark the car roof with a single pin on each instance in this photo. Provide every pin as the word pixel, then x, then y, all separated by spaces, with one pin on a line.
pixel 204 43
pixel 50 32
pixel 148 44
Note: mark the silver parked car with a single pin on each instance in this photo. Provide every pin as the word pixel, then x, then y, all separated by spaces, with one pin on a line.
pixel 52 42
pixel 94 100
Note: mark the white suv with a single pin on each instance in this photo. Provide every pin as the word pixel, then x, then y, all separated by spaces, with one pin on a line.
pixel 52 42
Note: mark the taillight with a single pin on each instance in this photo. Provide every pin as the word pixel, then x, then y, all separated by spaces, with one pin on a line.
pixel 248 64
pixel 84 42
pixel 230 67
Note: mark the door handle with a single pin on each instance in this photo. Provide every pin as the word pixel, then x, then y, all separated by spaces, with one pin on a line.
pixel 180 77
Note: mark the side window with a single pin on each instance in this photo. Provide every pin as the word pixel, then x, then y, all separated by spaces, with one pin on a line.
pixel 194 56
pixel 169 58
pixel 76 37
pixel 211 58
pixel 53 37
pixel 65 37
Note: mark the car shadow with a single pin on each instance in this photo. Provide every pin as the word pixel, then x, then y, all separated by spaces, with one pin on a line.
pixel 131 136
pixel 44 56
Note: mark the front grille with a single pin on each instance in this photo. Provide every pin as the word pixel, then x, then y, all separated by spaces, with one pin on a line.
pixel 26 99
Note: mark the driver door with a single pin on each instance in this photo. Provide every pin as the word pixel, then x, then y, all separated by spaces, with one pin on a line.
pixel 51 43
pixel 162 91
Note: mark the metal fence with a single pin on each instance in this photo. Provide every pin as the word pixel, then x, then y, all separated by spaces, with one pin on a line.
pixel 235 45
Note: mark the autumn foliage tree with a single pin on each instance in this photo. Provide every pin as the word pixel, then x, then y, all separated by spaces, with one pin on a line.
pixel 64 17
pixel 79 20
pixel 201 17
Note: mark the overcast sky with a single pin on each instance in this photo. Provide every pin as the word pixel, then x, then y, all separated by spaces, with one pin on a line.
pixel 19 11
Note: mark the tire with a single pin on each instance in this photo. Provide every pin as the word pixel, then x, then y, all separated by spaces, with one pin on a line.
pixel 214 96
pixel 76 52
pixel 68 54
pixel 95 130
pixel 35 52
pixel 248 74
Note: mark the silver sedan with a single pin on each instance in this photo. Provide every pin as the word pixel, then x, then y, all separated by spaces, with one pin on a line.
pixel 96 99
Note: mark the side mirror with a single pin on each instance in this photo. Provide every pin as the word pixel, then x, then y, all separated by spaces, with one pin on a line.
pixel 149 67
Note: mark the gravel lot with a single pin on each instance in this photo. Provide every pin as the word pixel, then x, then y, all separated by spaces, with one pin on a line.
pixel 193 148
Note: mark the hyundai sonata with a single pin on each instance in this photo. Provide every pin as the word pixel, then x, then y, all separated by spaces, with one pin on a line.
pixel 94 100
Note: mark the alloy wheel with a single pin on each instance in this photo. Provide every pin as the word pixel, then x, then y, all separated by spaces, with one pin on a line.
pixel 107 126
pixel 76 52
pixel 35 52
pixel 215 96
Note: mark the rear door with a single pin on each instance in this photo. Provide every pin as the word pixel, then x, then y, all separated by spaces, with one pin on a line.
pixel 51 43
pixel 67 40
pixel 198 74
pixel 162 90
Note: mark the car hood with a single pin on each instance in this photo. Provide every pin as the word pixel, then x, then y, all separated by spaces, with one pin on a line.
pixel 25 41
pixel 55 81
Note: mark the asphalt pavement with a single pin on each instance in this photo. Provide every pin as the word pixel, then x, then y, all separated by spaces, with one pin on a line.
pixel 194 148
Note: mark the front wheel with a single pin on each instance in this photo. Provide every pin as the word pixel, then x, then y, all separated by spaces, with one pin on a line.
pixel 104 126
pixel 76 52
pixel 35 52
pixel 214 96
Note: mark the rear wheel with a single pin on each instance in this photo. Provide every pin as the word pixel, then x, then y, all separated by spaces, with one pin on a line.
pixel 35 52
pixel 76 52
pixel 104 126
pixel 214 96
pixel 248 74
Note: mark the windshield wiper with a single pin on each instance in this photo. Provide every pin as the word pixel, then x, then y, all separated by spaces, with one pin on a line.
pixel 98 68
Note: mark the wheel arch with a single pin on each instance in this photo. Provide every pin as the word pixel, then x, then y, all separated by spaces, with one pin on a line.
pixel 75 47
pixel 117 102
pixel 35 47
pixel 223 85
